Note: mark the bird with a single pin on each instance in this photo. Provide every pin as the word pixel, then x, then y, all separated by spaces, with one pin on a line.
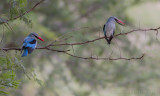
pixel 109 28
pixel 30 43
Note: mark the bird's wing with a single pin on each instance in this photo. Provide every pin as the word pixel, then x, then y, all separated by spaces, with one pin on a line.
pixel 104 27
pixel 32 45
pixel 113 31
pixel 104 30
pixel 29 43
pixel 30 49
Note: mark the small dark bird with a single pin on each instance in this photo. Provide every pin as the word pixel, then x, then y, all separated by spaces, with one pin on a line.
pixel 30 43
pixel 109 28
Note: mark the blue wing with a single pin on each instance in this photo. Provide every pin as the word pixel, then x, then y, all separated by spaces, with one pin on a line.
pixel 29 44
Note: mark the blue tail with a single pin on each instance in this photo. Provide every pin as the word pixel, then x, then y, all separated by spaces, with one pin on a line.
pixel 25 52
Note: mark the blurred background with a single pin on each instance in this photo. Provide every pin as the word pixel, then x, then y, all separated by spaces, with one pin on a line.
pixel 56 74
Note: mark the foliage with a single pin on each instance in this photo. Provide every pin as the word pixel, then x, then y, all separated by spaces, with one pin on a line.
pixel 9 66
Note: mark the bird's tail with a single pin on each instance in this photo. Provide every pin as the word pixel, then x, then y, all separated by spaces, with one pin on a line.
pixel 108 40
pixel 25 52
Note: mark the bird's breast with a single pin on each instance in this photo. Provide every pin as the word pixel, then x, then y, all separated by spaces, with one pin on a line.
pixel 110 29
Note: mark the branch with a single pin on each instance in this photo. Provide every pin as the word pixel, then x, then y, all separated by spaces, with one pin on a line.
pixel 136 30
pixel 96 58
pixel 90 41
pixel 86 42
pixel 40 48
pixel 5 21
pixel 85 58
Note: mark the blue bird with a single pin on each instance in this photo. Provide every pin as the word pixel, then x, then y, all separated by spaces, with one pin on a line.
pixel 30 43
pixel 109 28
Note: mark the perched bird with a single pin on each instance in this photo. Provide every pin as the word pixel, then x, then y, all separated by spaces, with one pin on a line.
pixel 30 43
pixel 109 28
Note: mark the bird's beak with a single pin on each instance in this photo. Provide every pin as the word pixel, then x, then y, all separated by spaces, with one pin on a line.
pixel 120 22
pixel 40 38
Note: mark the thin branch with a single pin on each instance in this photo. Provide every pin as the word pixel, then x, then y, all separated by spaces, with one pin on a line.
pixel 82 43
pixel 2 21
pixel 46 48
pixel 90 41
pixel 85 58
pixel 136 30
pixel 66 52
pixel 96 58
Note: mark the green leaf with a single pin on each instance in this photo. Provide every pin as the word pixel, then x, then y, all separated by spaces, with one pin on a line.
pixel 40 82
pixel 22 3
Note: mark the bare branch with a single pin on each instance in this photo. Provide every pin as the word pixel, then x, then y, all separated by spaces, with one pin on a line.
pixel 96 58
pixel 90 41
pixel 66 52
pixel 47 47
pixel 136 30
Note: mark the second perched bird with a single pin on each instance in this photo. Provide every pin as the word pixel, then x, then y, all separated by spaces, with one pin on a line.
pixel 30 43
pixel 109 28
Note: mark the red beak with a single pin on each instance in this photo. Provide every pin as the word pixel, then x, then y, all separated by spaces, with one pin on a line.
pixel 40 38
pixel 120 22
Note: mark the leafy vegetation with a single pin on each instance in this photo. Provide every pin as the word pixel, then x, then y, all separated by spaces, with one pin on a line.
pixel 8 69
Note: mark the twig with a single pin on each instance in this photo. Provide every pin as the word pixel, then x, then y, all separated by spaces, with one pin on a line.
pixel 46 48
pixel 82 43
pixel 66 52
pixel 95 58
pixel 90 41
pixel 2 22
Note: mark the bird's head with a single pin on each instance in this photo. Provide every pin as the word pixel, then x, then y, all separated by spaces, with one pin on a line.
pixel 33 34
pixel 116 20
